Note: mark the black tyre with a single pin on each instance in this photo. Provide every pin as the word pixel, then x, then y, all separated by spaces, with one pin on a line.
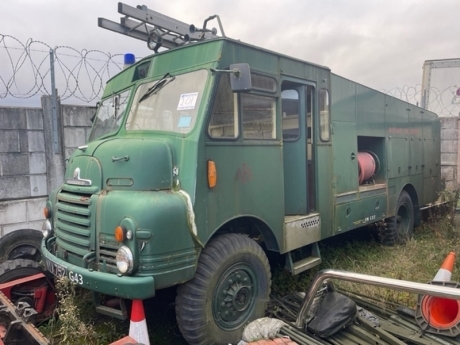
pixel 400 228
pixel 21 244
pixel 231 287
pixel 15 269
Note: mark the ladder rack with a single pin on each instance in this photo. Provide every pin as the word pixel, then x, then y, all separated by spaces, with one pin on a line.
pixel 157 29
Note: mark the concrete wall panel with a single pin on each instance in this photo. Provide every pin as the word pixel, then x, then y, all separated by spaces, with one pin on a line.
pixel 35 209
pixel 37 225
pixel 13 212
pixel 77 116
pixel 38 185
pixel 34 118
pixel 13 118
pixel 37 163
pixel 36 141
pixel 448 172
pixel 24 141
pixel 14 164
pixel 30 166
pixel 74 137
pixel 449 151
pixel 9 141
pixel 14 187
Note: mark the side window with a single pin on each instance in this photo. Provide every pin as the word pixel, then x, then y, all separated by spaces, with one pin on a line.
pixel 263 83
pixel 290 109
pixel 224 117
pixel 325 133
pixel 258 117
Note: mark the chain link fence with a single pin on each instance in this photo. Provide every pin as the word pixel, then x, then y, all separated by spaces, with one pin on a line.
pixel 81 75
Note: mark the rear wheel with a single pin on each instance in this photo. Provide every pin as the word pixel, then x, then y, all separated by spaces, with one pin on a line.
pixel 231 287
pixel 400 228
pixel 21 244
pixel 38 293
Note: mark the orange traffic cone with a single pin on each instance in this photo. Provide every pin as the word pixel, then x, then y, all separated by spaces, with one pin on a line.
pixel 138 326
pixel 445 272
pixel 440 315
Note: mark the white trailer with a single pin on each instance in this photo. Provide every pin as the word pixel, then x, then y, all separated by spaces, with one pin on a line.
pixel 441 87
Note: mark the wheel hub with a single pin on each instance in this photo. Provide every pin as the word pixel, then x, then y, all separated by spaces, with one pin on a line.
pixel 234 296
pixel 239 295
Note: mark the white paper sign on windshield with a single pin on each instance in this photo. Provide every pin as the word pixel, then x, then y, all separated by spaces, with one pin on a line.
pixel 187 101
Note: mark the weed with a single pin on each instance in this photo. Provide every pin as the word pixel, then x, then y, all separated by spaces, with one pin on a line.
pixel 77 321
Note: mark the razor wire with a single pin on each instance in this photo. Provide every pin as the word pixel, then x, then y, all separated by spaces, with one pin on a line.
pixel 25 73
pixel 25 70
pixel 444 102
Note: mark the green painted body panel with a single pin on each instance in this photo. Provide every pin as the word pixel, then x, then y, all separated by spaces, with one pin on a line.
pixel 244 188
pixel 170 252
pixel 366 120
pixel 369 112
pixel 155 157
pixel 343 93
pixel 345 156
pixel 154 183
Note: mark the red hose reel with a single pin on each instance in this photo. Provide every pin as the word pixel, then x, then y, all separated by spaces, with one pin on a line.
pixel 368 165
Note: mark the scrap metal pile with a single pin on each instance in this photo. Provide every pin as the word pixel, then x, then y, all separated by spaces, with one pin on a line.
pixel 20 330
pixel 371 324
pixel 326 316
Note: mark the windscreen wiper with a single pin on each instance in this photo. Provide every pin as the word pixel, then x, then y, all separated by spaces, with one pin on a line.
pixel 167 78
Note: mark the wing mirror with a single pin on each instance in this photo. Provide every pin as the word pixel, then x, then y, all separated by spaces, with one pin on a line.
pixel 240 77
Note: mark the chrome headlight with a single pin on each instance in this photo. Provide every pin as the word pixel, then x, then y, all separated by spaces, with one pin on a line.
pixel 124 260
pixel 47 229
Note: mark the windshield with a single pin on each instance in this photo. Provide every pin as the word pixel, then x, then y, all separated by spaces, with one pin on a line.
pixel 170 104
pixel 109 115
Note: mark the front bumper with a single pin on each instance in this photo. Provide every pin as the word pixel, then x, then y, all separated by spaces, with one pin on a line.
pixel 106 283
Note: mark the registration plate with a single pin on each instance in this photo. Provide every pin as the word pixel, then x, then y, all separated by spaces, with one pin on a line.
pixel 61 271
pixel 55 268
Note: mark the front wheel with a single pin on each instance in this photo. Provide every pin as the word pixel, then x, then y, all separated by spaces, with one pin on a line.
pixel 231 287
pixel 400 228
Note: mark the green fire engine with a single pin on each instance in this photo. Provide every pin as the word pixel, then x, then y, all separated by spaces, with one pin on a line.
pixel 205 155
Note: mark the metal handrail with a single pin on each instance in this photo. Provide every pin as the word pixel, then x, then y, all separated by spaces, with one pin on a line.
pixel 396 284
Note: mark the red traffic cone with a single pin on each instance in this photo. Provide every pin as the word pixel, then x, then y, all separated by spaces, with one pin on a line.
pixel 138 326
pixel 445 272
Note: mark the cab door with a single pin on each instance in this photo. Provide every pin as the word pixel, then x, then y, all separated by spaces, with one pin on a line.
pixel 296 115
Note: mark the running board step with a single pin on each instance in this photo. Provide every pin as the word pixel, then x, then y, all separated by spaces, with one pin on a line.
pixel 115 307
pixel 112 312
pixel 303 264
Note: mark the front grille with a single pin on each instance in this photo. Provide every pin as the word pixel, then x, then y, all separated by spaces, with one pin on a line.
pixel 73 222
pixel 107 253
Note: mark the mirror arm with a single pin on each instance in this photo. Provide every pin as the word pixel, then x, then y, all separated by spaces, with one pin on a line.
pixel 236 72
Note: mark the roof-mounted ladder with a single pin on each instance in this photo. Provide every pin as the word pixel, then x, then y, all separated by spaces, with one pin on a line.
pixel 157 29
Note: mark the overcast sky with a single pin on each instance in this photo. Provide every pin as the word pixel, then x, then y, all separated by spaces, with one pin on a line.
pixel 379 43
